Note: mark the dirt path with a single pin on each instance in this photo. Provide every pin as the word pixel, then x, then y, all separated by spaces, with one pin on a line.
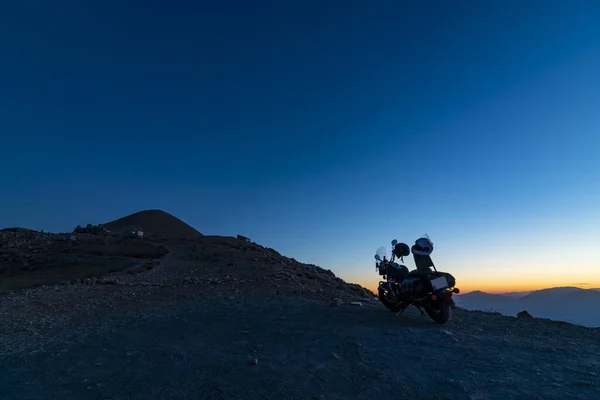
pixel 306 350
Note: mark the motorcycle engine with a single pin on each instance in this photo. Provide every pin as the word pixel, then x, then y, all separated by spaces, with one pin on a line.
pixel 413 288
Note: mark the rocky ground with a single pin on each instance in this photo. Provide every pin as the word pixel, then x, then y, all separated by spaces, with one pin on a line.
pixel 300 349
pixel 87 278
pixel 217 318
pixel 29 258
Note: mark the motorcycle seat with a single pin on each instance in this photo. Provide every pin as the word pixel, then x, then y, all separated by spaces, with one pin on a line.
pixel 414 273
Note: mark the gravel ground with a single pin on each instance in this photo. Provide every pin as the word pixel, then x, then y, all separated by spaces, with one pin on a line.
pixel 300 349
pixel 175 280
pixel 217 320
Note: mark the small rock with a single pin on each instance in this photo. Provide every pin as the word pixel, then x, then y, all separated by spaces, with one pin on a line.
pixel 356 303
pixel 336 302
pixel 255 361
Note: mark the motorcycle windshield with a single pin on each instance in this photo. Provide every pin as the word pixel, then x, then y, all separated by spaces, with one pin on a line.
pixel 381 252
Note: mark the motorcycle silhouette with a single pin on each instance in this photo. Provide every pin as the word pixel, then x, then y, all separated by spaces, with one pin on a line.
pixel 425 287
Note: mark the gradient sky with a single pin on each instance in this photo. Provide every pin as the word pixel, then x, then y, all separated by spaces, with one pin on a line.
pixel 321 129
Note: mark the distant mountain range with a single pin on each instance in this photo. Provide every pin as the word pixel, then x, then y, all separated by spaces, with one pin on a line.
pixel 517 295
pixel 569 304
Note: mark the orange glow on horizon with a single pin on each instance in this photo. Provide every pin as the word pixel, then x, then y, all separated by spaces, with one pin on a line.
pixel 498 287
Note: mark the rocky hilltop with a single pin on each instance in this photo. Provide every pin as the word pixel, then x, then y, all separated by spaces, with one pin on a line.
pixel 211 317
pixel 155 223
pixel 179 256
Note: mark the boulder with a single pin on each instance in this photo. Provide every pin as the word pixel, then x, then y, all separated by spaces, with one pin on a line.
pixel 336 302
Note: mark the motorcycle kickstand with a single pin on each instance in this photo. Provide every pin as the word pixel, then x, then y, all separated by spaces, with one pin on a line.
pixel 401 310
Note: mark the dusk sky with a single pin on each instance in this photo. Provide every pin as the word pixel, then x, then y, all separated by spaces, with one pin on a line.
pixel 323 129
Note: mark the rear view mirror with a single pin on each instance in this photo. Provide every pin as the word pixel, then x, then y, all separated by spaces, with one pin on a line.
pixel 377 257
pixel 394 242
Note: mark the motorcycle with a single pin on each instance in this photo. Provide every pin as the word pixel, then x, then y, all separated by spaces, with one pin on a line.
pixel 423 287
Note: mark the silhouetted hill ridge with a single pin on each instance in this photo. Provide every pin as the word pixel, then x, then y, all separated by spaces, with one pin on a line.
pixel 154 223
pixel 552 293
pixel 569 304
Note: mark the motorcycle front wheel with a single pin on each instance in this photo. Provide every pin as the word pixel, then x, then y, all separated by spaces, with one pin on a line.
pixel 440 315
pixel 394 307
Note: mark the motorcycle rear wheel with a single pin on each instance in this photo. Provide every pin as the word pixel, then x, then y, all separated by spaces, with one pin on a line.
pixel 440 315
pixel 394 307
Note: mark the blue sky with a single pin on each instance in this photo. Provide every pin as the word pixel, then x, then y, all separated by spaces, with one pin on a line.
pixel 321 130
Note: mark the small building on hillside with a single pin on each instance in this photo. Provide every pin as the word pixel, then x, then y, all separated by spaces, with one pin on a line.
pixel 66 237
pixel 132 233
